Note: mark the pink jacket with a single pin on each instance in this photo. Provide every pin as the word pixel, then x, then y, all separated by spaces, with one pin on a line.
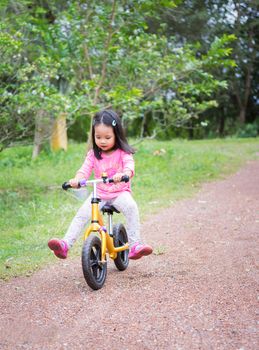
pixel 116 162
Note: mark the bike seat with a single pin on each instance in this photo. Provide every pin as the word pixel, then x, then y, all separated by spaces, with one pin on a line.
pixel 109 209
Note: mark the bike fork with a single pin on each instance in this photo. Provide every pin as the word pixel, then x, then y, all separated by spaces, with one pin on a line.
pixel 110 224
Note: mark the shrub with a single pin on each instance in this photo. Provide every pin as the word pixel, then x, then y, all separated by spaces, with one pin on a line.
pixel 248 130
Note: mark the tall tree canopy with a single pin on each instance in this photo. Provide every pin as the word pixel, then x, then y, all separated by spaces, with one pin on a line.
pixel 202 21
pixel 75 57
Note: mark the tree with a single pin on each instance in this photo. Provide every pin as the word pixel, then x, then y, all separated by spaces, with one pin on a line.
pixel 34 91
pixel 202 21
pixel 78 57
pixel 246 28
pixel 122 64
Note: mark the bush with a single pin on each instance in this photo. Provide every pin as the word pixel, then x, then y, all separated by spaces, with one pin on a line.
pixel 78 131
pixel 248 130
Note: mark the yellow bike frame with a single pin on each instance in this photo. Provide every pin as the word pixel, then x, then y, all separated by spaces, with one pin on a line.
pixel 97 226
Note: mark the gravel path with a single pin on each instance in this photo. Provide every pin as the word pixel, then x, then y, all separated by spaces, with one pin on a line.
pixel 199 291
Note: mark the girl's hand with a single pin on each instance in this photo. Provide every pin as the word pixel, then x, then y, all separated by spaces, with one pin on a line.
pixel 117 177
pixel 74 183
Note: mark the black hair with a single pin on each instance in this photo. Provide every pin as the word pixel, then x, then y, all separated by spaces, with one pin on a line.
pixel 110 118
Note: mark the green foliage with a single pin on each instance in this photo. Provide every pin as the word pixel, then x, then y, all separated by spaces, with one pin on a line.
pixel 200 22
pixel 248 130
pixel 34 208
pixel 78 57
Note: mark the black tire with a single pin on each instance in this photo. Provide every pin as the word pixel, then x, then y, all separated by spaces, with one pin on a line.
pixel 94 271
pixel 120 238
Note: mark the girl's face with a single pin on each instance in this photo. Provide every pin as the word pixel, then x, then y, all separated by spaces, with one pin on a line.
pixel 104 137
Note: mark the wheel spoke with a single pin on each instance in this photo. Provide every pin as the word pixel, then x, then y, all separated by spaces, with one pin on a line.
pixel 94 254
pixel 95 270
pixel 95 263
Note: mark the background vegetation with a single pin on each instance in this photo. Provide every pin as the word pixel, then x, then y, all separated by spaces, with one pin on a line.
pixel 34 208
pixel 171 68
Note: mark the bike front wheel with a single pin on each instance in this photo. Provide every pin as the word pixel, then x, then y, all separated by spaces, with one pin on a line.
pixel 120 238
pixel 94 269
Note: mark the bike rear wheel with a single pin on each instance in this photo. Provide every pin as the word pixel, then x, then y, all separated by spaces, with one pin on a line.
pixel 94 270
pixel 120 238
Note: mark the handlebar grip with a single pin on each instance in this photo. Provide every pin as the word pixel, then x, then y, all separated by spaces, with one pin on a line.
pixel 125 178
pixel 66 186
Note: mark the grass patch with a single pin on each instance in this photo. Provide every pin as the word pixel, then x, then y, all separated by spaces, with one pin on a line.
pixel 34 208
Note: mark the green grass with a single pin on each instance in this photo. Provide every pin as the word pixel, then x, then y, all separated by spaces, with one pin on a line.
pixel 34 208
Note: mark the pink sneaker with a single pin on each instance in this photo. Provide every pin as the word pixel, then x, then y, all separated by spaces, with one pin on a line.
pixel 138 250
pixel 59 247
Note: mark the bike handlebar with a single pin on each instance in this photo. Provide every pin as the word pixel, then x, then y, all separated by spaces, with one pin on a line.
pixel 83 183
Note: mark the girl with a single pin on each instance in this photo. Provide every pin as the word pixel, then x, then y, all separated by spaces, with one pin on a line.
pixel 111 154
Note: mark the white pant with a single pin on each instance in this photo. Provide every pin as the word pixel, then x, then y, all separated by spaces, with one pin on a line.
pixel 124 203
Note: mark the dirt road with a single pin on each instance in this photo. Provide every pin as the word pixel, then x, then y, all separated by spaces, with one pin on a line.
pixel 200 291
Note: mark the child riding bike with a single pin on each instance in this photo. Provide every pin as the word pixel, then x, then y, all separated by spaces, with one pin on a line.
pixel 110 154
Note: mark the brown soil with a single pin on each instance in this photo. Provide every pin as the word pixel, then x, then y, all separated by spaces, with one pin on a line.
pixel 199 291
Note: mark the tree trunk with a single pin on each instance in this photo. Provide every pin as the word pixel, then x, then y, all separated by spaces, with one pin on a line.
pixel 190 130
pixel 222 122
pixel 243 92
pixel 59 134
pixel 42 132
pixel 242 115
